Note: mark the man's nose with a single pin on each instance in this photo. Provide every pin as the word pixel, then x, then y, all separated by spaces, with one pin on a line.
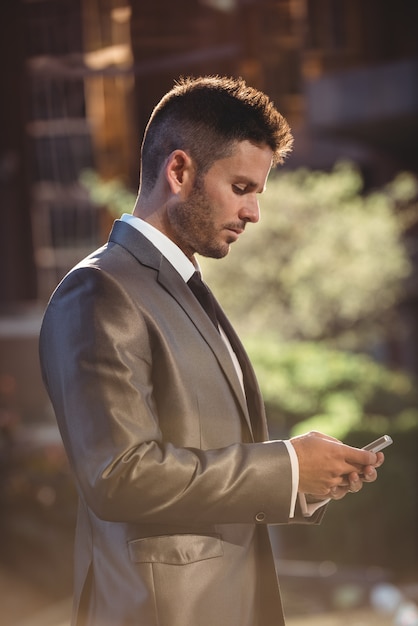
pixel 250 210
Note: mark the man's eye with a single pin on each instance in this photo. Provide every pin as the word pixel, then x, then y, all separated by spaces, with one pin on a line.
pixel 239 189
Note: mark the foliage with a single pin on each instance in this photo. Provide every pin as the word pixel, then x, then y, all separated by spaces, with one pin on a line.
pixel 325 259
pixel 112 194
pixel 308 386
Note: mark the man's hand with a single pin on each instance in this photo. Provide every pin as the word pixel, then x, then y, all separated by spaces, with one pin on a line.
pixel 330 469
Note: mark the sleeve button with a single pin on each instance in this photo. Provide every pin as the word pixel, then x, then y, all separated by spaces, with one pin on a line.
pixel 260 517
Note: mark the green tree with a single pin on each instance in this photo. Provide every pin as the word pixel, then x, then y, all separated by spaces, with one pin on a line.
pixel 309 386
pixel 112 194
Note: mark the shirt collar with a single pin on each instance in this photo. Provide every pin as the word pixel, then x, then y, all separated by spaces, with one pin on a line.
pixel 168 248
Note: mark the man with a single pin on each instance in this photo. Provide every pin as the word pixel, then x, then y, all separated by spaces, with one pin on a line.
pixel 158 406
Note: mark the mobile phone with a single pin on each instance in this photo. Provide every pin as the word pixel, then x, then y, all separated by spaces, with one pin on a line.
pixel 379 444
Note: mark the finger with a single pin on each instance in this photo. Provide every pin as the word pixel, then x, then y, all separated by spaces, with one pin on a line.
pixel 338 492
pixel 379 462
pixel 370 474
pixel 380 459
pixel 357 457
pixel 354 483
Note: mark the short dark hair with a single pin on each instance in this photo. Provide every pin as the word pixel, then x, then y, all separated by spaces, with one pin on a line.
pixel 205 116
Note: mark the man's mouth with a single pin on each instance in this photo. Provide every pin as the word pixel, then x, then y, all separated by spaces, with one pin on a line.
pixel 237 230
pixel 233 234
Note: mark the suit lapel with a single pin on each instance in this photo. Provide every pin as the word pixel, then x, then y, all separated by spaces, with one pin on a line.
pixel 147 254
pixel 185 298
pixel 252 391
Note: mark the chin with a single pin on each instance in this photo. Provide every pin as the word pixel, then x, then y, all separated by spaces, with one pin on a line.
pixel 215 253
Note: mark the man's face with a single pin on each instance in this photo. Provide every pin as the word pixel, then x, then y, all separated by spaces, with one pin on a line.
pixel 222 202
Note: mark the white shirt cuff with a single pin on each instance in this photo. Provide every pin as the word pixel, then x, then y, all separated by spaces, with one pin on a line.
pixel 308 509
pixel 294 464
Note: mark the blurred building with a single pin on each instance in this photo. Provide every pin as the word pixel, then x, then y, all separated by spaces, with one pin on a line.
pixel 80 78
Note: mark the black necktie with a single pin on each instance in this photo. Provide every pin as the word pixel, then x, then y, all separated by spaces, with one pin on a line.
pixel 204 296
pixel 217 316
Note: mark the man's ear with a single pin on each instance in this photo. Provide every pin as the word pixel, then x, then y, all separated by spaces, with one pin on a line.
pixel 179 172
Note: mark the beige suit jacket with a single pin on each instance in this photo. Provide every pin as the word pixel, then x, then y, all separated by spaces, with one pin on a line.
pixel 176 480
